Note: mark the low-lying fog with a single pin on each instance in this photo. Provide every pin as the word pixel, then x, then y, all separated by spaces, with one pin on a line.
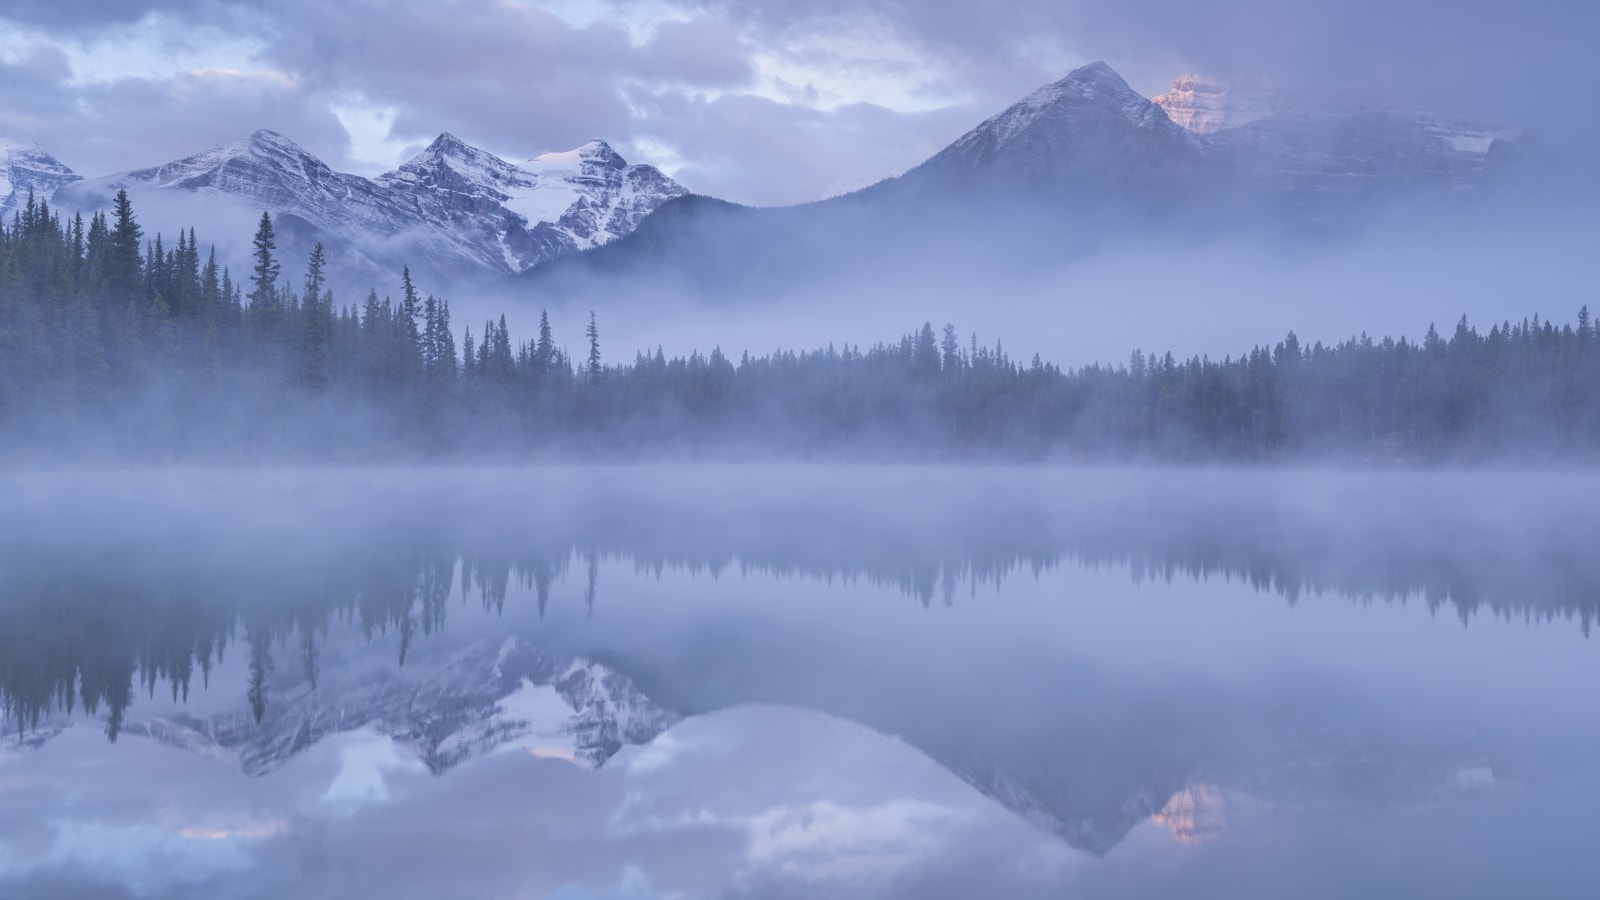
pixel 1208 292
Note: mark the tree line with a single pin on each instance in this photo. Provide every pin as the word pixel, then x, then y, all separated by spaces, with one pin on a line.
pixel 117 344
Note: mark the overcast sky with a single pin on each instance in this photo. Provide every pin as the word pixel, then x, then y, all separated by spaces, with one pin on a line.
pixel 759 101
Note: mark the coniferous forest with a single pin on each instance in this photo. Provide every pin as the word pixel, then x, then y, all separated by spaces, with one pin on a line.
pixel 118 345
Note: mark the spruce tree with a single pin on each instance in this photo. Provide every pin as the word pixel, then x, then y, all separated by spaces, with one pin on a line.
pixel 263 296
pixel 123 264
pixel 593 333
pixel 544 353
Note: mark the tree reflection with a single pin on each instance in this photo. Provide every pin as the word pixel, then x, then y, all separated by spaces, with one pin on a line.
pixel 83 624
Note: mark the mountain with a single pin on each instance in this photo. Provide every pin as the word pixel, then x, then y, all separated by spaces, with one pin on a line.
pixel 1207 105
pixel 1329 167
pixel 1087 135
pixel 25 169
pixel 454 212
pixel 447 710
pixel 1077 164
pixel 512 217
pixel 1198 148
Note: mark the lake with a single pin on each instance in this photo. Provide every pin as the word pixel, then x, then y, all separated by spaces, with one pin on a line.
pixel 800 681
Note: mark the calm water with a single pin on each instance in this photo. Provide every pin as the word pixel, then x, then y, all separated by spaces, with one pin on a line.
pixel 797 682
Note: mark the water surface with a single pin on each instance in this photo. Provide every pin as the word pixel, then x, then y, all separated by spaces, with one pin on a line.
pixel 808 681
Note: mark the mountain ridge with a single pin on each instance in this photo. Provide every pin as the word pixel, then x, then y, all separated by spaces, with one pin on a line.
pixel 1072 162
pixel 453 212
pixel 26 170
pixel 1076 163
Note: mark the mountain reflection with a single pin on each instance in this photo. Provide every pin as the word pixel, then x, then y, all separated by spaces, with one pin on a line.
pixel 451 611
pixel 89 616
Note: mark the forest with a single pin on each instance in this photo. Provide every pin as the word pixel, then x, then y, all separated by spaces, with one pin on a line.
pixel 119 346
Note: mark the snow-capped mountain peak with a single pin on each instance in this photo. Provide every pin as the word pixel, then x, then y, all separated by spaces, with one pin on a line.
pixel 1094 85
pixel 592 154
pixel 1087 134
pixel 451 211
pixel 555 203
pixel 451 165
pixel 24 169
pixel 228 166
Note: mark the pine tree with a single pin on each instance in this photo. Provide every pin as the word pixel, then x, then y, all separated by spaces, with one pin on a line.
pixel 950 349
pixel 315 280
pixel 263 294
pixel 593 333
pixel 410 335
pixel 123 265
pixel 544 353
pixel 316 314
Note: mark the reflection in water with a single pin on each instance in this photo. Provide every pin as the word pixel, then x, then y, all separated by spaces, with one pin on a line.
pixel 115 593
pixel 85 621
pixel 1198 814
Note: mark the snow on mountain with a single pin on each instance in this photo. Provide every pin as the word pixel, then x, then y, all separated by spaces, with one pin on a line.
pixel 480 699
pixel 265 171
pixel 1088 100
pixel 1223 149
pixel 1087 134
pixel 1320 160
pixel 24 168
pixel 513 217
pixel 223 191
pixel 1207 105
pixel 453 211
pixel 1325 165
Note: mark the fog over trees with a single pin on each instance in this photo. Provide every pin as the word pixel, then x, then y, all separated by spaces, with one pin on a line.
pixel 114 344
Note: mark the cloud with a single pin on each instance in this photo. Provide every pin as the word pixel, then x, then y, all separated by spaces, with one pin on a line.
pixel 87 16
pixel 1506 59
pixel 703 52
pixel 758 101
pixel 31 91
pixel 766 152
pixel 505 75
pixel 104 127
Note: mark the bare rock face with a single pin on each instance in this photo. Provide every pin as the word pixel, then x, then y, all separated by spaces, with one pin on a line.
pixel 1198 814
pixel 1208 105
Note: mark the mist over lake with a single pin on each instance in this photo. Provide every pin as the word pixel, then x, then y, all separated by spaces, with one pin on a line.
pixel 795 681
pixel 752 450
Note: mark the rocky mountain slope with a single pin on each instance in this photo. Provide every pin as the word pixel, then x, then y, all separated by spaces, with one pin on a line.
pixel 1207 105
pixel 1078 163
pixel 510 217
pixel 1089 134
pixel 24 170
pixel 453 212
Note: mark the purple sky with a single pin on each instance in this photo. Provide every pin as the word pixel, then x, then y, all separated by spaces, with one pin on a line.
pixel 760 102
